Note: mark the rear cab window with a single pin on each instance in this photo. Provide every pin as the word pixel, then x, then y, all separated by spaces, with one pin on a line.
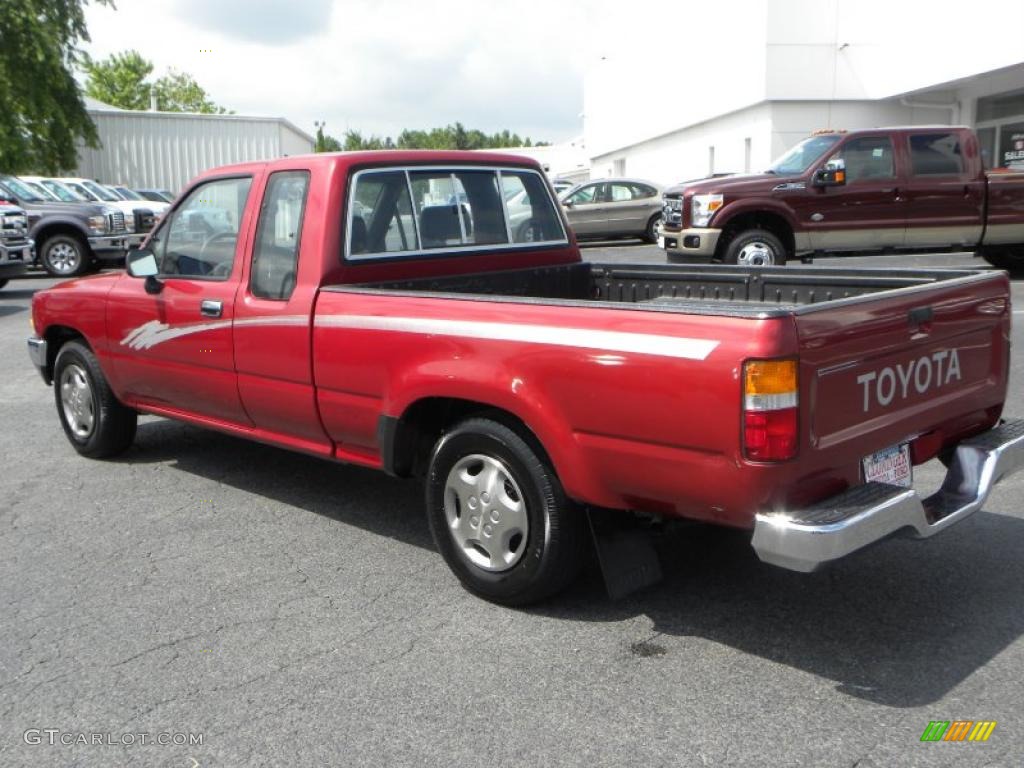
pixel 412 211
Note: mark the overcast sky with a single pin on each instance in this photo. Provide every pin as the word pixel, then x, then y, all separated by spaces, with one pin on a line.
pixel 374 66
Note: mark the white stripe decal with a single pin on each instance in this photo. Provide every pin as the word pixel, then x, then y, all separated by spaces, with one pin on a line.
pixel 149 335
pixel 615 341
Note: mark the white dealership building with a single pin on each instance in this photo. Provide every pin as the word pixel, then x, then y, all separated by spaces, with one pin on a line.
pixel 728 86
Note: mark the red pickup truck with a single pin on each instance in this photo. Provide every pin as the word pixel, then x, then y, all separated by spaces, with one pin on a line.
pixel 389 309
pixel 913 189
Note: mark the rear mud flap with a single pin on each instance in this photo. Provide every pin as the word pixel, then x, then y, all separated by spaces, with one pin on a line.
pixel 625 551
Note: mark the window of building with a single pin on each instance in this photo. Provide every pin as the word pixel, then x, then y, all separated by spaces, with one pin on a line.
pixel 276 256
pixel 935 154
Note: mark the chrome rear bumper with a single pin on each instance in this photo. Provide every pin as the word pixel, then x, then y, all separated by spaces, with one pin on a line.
pixel 803 540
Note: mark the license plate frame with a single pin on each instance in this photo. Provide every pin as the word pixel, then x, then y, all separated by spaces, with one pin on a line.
pixel 890 465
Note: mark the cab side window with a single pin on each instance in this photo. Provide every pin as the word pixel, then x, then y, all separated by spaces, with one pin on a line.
pixel 936 154
pixel 199 238
pixel 870 157
pixel 276 255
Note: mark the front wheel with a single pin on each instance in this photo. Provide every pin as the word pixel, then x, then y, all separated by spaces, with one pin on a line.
pixel 64 256
pixel 94 420
pixel 755 248
pixel 651 233
pixel 499 515
pixel 3 282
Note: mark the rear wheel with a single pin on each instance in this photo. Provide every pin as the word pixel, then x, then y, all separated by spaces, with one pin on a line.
pixel 499 515
pixel 1009 260
pixel 64 256
pixel 95 422
pixel 755 248
pixel 3 283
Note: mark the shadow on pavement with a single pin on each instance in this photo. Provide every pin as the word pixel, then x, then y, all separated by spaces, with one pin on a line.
pixel 899 624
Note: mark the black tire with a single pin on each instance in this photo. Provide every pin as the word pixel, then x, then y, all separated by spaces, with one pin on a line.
pixel 651 233
pixel 551 551
pixel 65 256
pixel 106 427
pixel 773 249
pixel 3 282
pixel 1005 259
pixel 526 232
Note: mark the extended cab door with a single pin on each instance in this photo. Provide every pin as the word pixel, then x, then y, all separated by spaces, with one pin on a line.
pixel 945 189
pixel 272 330
pixel 173 349
pixel 867 211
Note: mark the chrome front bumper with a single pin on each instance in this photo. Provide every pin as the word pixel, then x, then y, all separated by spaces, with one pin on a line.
pixel 699 241
pixel 38 353
pixel 803 540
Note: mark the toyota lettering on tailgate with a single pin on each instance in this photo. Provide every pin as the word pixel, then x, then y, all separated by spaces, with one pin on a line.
pixel 920 375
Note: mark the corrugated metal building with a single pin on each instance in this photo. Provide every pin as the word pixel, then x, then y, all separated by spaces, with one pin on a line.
pixel 166 149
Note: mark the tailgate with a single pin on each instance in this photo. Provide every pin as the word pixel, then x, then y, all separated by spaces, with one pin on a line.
pixel 926 364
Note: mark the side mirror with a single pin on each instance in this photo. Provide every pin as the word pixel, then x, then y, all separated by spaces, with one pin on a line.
pixel 568 203
pixel 832 175
pixel 142 263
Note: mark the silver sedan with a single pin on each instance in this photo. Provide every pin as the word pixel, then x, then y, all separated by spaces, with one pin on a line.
pixel 614 208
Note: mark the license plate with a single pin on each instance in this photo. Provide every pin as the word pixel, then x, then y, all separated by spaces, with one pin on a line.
pixel 890 466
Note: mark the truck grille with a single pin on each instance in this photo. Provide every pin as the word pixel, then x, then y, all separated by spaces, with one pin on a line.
pixel 116 222
pixel 672 213
pixel 14 226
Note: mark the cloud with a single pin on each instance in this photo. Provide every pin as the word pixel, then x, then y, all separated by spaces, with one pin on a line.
pixel 377 67
pixel 272 22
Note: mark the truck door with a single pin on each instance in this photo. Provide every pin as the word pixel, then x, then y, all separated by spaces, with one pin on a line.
pixel 272 328
pixel 945 190
pixel 174 348
pixel 866 212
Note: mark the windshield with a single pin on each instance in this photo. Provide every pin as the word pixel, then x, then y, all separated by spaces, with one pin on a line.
pixel 22 192
pixel 61 192
pixel 82 191
pixel 127 194
pixel 803 155
pixel 42 191
pixel 100 192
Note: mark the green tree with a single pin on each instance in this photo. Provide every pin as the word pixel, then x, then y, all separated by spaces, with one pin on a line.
pixel 42 115
pixel 179 92
pixel 325 143
pixel 119 80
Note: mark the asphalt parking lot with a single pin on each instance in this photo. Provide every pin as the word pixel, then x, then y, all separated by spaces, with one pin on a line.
pixel 294 612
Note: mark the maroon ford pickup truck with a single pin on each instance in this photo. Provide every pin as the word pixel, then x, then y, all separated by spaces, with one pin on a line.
pixel 341 306
pixel 909 188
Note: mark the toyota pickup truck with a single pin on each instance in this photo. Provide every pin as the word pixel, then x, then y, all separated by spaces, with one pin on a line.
pixel 886 189
pixel 351 312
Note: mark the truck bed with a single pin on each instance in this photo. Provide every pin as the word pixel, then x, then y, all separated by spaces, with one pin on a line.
pixel 700 289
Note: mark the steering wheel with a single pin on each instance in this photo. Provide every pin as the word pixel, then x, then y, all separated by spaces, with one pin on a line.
pixel 222 269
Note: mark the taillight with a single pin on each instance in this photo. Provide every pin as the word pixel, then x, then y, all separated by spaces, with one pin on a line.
pixel 770 404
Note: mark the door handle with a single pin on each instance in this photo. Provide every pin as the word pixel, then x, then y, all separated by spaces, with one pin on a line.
pixel 211 308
